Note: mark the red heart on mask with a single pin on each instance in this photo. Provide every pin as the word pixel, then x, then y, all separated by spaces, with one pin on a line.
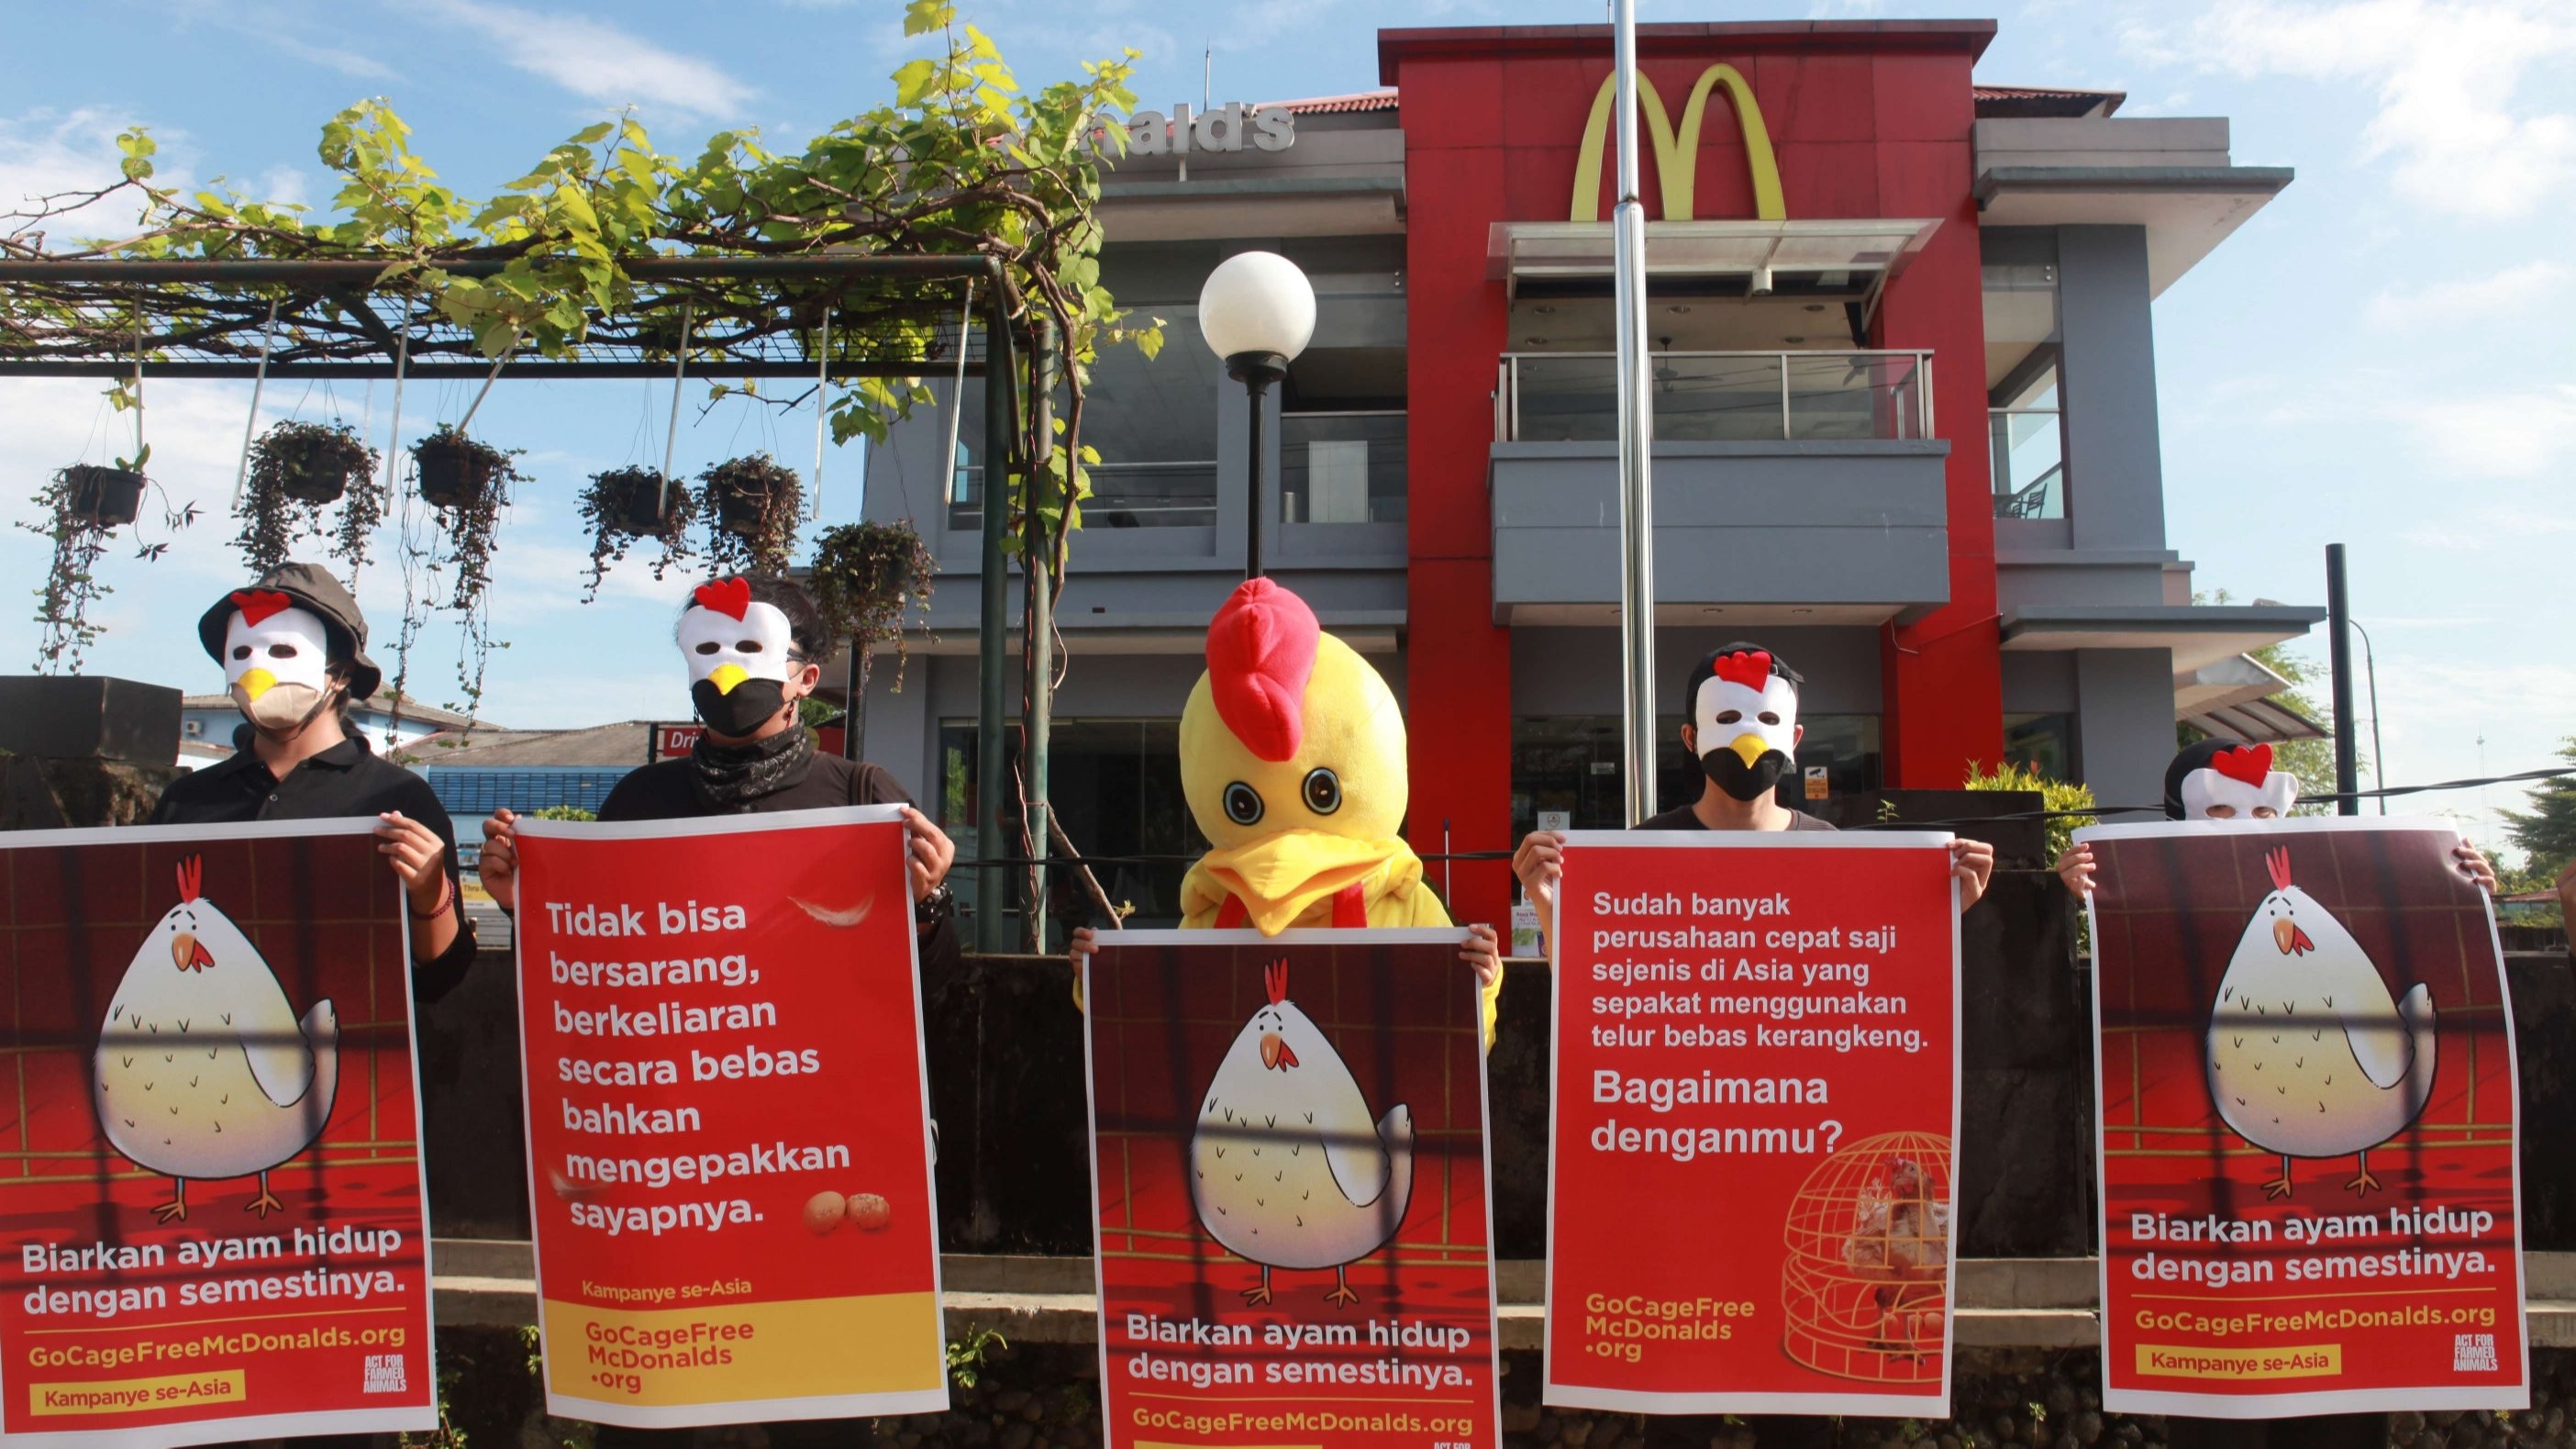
pixel 257 605
pixel 729 597
pixel 1748 667
pixel 2252 764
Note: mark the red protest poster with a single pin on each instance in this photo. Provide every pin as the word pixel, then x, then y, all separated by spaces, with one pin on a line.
pixel 1751 1119
pixel 210 1183
pixel 2309 1113
pixel 728 1120
pixel 1289 1186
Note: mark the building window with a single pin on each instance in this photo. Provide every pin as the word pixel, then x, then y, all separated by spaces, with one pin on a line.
pixel 2029 452
pixel 1115 785
pixel 1569 764
pixel 2022 340
pixel 1151 419
pixel 1341 467
pixel 2044 743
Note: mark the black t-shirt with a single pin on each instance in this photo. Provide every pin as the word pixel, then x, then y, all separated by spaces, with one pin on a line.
pixel 1687 819
pixel 660 791
pixel 344 781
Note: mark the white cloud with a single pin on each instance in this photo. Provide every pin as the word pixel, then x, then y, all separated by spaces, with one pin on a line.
pixel 2495 434
pixel 2447 78
pixel 597 61
pixel 346 62
pixel 2470 302
pixel 49 153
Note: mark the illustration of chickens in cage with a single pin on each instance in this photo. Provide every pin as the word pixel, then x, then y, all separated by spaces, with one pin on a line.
pixel 1865 1285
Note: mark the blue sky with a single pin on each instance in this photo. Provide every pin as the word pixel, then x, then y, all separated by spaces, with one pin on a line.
pixel 2382 357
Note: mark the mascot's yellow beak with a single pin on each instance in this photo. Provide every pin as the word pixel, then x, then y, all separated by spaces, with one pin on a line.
pixel 726 676
pixel 256 682
pixel 1750 748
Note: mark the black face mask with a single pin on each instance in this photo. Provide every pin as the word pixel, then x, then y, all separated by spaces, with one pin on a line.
pixel 746 709
pixel 1744 782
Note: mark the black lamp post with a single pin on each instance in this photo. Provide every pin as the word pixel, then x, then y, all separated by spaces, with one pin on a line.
pixel 1257 311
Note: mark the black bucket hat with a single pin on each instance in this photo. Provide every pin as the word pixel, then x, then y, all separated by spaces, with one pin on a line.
pixel 313 590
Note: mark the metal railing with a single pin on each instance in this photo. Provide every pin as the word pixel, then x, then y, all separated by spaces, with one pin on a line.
pixel 1123 495
pixel 1720 397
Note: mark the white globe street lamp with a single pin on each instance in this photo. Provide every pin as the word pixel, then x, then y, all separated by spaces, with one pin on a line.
pixel 1257 311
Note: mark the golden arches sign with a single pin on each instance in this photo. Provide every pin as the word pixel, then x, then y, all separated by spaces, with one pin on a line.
pixel 1677 158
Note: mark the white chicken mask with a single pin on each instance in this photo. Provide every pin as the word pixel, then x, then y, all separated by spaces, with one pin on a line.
pixel 276 662
pixel 740 654
pixel 2238 783
pixel 1745 715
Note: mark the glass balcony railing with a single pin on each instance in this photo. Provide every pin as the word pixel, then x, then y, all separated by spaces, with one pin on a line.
pixel 1720 397
pixel 1123 495
pixel 2029 461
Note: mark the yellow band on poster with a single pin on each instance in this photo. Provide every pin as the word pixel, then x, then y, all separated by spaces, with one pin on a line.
pixel 2304 1361
pixel 136 1396
pixel 804 1348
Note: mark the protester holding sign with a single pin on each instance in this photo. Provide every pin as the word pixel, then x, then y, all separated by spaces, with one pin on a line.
pixel 293 647
pixel 1293 761
pixel 1743 729
pixel 753 648
pixel 2224 779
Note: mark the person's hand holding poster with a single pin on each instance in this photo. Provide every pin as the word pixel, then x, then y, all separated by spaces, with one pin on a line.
pixel 1752 1116
pixel 2309 1115
pixel 1289 1185
pixel 727 1119
pixel 213 1198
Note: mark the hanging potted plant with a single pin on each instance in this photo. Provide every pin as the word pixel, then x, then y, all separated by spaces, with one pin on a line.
pixel 456 471
pixel 864 576
pixel 467 483
pixel 103 498
pixel 626 505
pixel 751 508
pixel 296 470
pixel 78 509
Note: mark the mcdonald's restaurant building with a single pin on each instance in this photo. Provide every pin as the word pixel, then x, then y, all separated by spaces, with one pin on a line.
pixel 1905 430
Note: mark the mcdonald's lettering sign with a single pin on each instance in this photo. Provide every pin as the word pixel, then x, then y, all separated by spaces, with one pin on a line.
pixel 1677 157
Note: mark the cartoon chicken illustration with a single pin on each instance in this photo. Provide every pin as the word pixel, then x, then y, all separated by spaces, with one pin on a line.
pixel 1286 1169
pixel 203 1071
pixel 2308 1055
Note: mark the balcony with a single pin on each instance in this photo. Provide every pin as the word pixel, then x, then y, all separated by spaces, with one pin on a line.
pixel 1720 397
pixel 1790 488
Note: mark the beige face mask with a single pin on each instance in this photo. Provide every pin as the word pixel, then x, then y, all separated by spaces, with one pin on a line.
pixel 277 669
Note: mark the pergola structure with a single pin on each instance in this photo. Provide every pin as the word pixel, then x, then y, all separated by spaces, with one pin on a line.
pixel 826 316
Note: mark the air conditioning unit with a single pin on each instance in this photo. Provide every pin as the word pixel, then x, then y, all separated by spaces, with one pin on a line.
pixel 192 728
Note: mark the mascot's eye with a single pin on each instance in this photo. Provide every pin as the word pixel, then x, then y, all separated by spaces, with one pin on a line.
pixel 1242 804
pixel 241 651
pixel 281 651
pixel 749 646
pixel 709 647
pixel 1729 716
pixel 1323 792
pixel 1769 718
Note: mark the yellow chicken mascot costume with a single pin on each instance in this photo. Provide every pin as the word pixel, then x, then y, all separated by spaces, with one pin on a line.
pixel 1292 758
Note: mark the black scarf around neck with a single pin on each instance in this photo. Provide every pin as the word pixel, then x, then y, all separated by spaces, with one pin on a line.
pixel 725 779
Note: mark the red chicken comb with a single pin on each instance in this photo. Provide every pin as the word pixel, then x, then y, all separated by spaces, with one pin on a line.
pixel 257 604
pixel 1748 667
pixel 192 877
pixel 2251 764
pixel 1260 653
pixel 729 597
pixel 1274 979
pixel 2278 863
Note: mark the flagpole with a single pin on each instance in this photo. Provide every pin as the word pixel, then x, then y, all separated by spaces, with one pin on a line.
pixel 1636 438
